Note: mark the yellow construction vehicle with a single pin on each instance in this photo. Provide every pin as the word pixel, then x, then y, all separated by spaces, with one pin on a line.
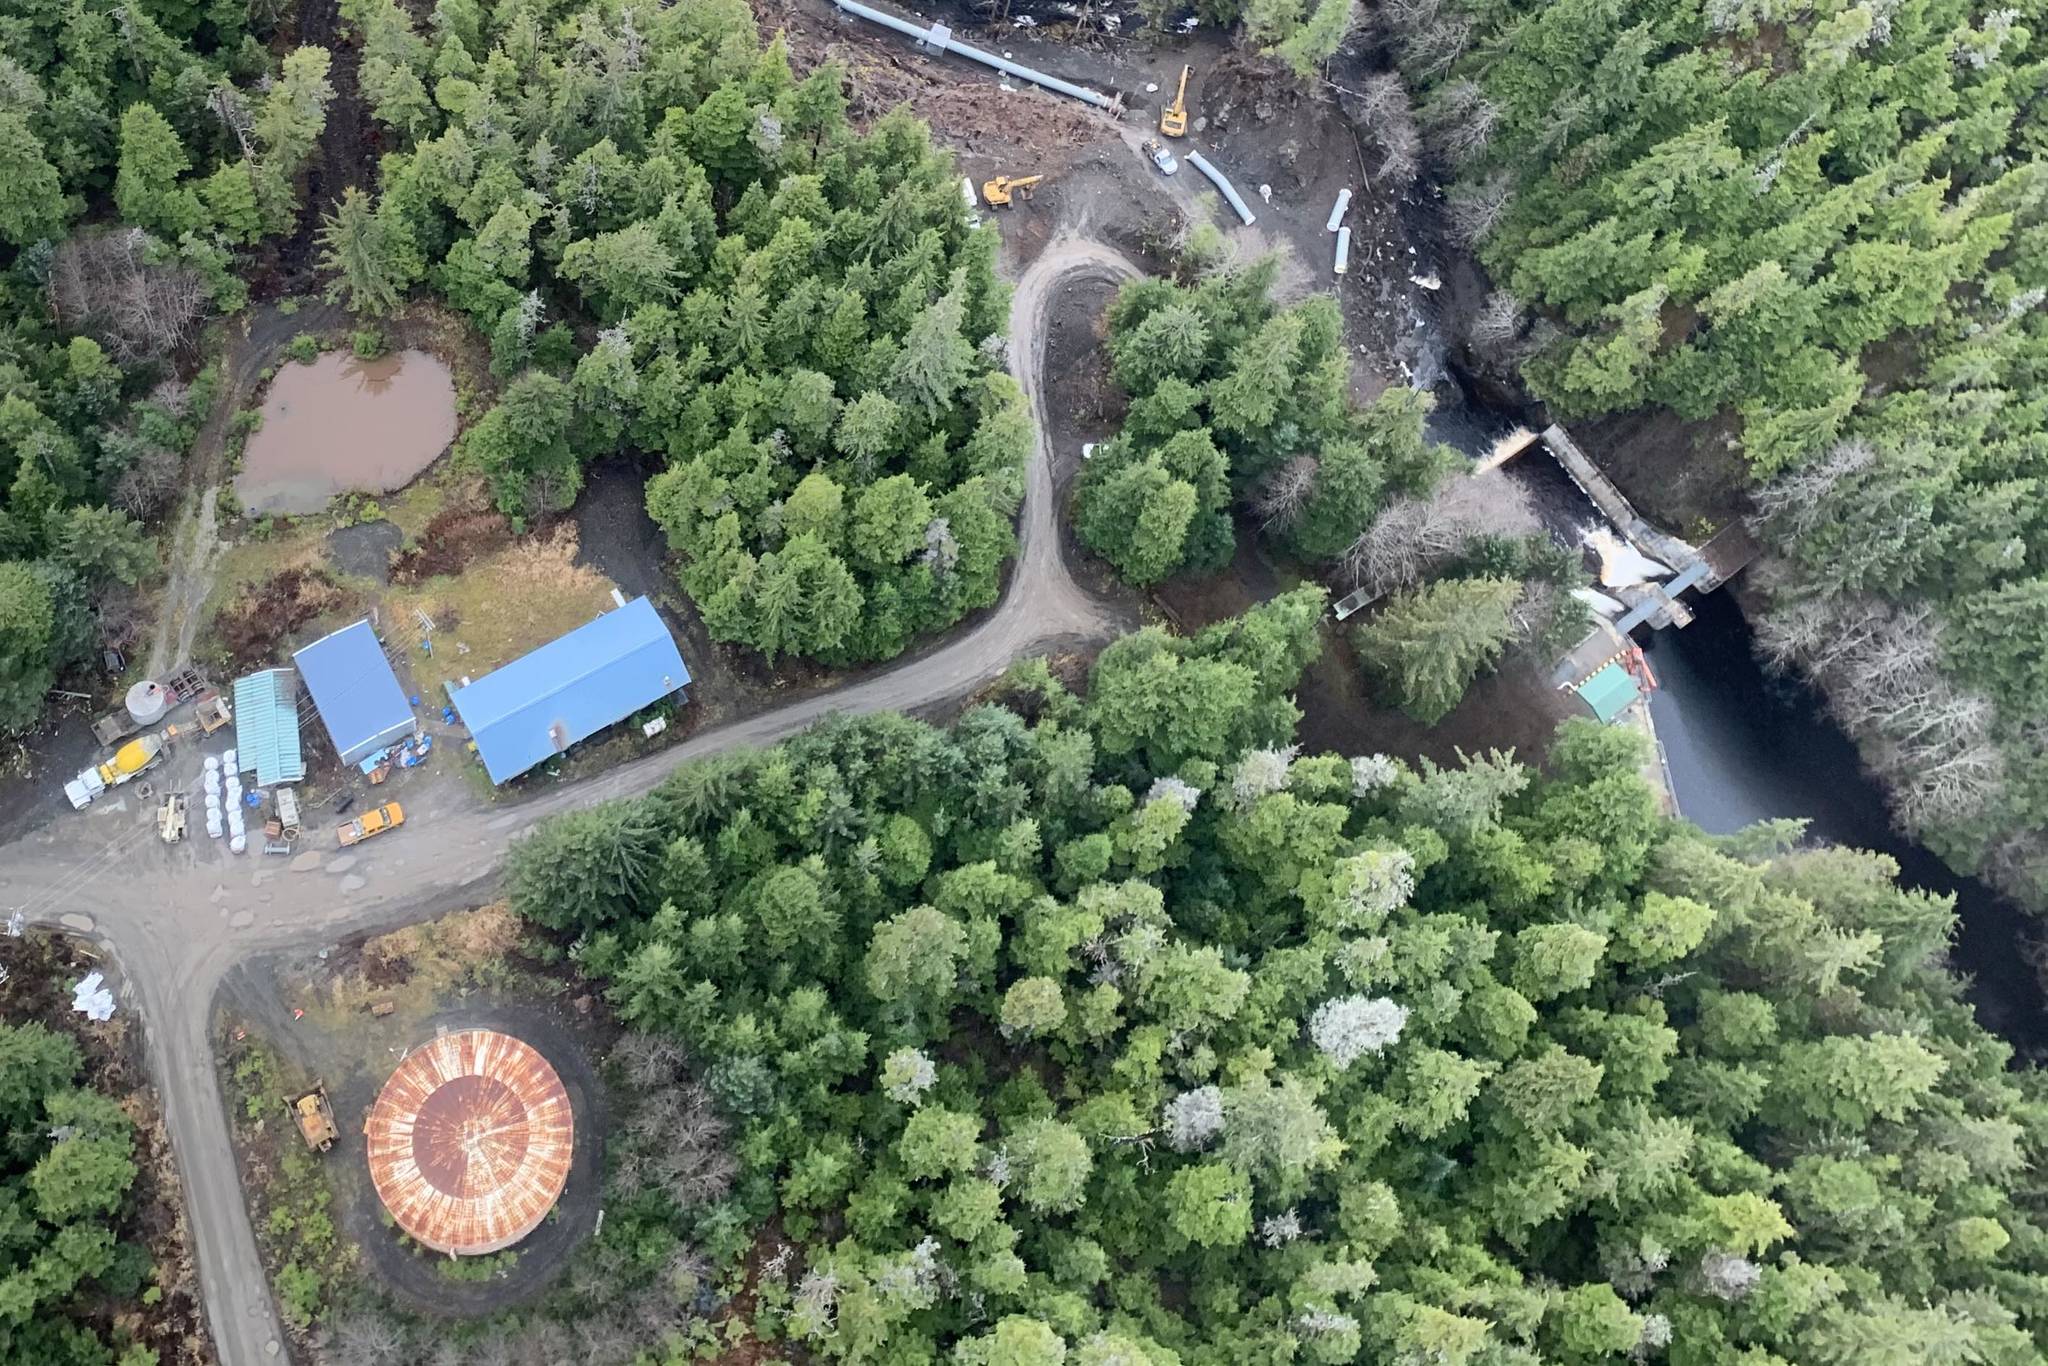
pixel 315 1118
pixel 1173 120
pixel 998 192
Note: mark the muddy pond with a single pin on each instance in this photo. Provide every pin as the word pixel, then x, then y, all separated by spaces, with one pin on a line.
pixel 343 424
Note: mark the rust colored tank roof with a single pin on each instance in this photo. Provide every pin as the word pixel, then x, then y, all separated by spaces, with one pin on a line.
pixel 470 1142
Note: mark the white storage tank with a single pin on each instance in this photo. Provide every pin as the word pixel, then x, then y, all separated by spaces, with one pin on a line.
pixel 147 702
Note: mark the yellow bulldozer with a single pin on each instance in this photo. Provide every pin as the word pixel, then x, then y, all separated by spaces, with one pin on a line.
pixel 315 1117
pixel 1173 120
pixel 1003 188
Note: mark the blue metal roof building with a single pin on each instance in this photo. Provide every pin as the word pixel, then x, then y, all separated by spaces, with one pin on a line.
pixel 543 702
pixel 355 691
pixel 267 727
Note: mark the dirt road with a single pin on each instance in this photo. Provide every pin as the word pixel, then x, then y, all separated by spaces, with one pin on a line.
pixel 177 929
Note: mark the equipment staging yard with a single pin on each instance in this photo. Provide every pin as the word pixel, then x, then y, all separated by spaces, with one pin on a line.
pixel 175 922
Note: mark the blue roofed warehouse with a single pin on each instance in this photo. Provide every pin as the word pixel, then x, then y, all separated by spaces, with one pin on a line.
pixel 572 687
pixel 355 691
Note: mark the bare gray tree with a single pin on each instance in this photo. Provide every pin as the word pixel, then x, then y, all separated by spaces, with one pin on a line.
pixel 1462 119
pixel 1412 536
pixel 1474 209
pixel 1497 322
pixel 122 288
pixel 1383 109
pixel 548 1343
pixel 1427 40
pixel 149 475
pixel 367 1338
pixel 604 1340
pixel 1280 499
pixel 1878 663
pixel 494 1349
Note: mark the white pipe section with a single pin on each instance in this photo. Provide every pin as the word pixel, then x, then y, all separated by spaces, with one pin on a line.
pixel 1337 214
pixel 1343 249
pixel 1236 200
pixel 941 37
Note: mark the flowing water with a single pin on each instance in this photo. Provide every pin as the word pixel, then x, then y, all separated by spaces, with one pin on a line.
pixel 1745 746
pixel 343 424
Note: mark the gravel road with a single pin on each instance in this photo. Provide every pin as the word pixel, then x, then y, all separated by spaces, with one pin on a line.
pixel 176 931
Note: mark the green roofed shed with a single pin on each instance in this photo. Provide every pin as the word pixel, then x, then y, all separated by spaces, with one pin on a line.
pixel 1609 692
pixel 267 727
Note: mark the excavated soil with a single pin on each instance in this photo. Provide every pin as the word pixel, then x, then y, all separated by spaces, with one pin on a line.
pixel 253 627
pixel 454 539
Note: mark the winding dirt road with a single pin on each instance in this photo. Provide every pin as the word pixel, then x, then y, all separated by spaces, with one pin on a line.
pixel 175 925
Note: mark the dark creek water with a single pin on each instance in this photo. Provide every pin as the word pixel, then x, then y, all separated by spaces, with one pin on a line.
pixel 1745 746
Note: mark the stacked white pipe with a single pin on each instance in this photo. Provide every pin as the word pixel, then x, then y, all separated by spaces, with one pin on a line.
pixel 210 781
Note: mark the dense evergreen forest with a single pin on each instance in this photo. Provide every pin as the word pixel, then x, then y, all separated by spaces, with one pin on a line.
pixel 1115 1030
pixel 1237 403
pixel 1227 392
pixel 801 321
pixel 1820 234
pixel 67 1162
pixel 143 147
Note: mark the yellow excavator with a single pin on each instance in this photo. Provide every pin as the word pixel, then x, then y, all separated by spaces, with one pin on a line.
pixel 1003 188
pixel 1173 120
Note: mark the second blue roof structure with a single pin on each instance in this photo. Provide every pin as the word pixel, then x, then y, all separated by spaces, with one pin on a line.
pixel 267 727
pixel 355 691
pixel 543 702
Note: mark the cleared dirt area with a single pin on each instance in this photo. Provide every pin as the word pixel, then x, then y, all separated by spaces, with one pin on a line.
pixel 344 1018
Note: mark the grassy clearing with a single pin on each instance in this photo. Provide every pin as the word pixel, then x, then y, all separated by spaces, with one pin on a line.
pixel 414 972
pixel 499 608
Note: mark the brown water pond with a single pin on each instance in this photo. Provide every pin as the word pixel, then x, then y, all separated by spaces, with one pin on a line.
pixel 344 424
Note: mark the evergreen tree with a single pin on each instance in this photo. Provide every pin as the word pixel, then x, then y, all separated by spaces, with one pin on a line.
pixel 1427 646
pixel 370 253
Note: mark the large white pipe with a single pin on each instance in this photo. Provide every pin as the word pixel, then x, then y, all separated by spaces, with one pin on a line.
pixel 1343 249
pixel 1337 214
pixel 941 37
pixel 1216 177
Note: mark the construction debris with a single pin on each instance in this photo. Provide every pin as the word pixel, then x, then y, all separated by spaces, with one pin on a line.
pixel 91 998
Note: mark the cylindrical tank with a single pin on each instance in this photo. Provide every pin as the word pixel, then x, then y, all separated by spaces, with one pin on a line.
pixel 1343 250
pixel 1337 213
pixel 146 702
pixel 1221 182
